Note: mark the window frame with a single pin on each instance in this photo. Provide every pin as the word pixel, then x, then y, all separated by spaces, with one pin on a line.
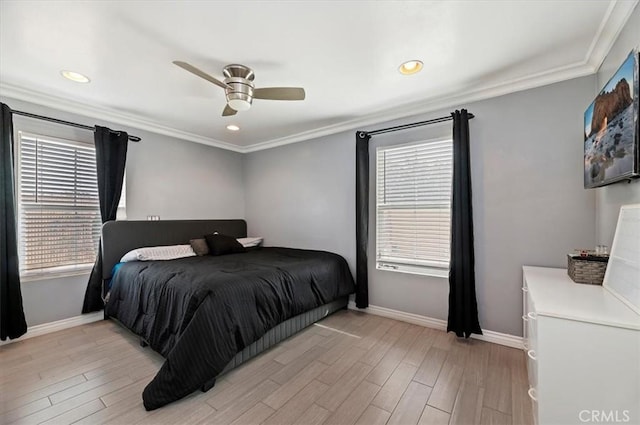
pixel 417 267
pixel 49 272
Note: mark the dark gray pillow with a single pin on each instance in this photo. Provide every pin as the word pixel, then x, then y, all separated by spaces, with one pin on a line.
pixel 199 246
pixel 222 244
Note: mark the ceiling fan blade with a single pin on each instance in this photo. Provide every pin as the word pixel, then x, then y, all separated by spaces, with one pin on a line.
pixel 228 110
pixel 279 93
pixel 192 69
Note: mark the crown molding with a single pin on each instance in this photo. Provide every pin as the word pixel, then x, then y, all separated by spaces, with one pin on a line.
pixel 537 80
pixel 106 114
pixel 613 21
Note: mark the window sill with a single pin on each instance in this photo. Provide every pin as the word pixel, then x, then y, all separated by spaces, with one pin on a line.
pixel 411 269
pixel 35 277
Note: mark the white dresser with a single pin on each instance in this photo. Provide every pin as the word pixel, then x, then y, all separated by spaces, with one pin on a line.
pixel 583 348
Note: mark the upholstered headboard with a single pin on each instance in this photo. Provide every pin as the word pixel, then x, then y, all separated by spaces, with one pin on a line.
pixel 120 237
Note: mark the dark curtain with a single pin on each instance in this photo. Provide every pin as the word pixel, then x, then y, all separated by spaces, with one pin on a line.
pixel 12 321
pixel 463 308
pixel 362 219
pixel 111 156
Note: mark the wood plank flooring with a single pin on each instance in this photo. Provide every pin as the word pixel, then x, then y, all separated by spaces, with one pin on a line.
pixel 351 368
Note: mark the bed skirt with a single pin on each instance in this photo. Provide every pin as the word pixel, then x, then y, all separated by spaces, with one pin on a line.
pixel 283 331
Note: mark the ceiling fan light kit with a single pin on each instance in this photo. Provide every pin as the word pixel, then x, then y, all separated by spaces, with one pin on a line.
pixel 240 90
pixel 240 81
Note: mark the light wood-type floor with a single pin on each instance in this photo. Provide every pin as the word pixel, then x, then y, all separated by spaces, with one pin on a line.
pixel 351 368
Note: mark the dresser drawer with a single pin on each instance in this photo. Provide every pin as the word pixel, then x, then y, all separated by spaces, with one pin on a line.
pixel 533 395
pixel 532 330
pixel 531 348
pixel 530 338
pixel 532 368
pixel 525 310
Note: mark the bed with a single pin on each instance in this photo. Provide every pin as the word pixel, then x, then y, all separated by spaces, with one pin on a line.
pixel 209 314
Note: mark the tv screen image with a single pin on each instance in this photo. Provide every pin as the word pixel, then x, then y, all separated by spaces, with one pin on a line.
pixel 611 129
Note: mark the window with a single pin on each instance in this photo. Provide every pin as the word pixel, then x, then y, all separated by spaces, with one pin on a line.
pixel 413 207
pixel 59 215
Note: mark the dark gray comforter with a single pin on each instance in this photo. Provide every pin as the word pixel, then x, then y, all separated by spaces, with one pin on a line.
pixel 198 312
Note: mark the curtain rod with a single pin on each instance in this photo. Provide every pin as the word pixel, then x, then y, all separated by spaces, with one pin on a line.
pixel 69 123
pixel 412 125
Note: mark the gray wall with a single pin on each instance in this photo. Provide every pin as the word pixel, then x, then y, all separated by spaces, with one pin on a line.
pixel 165 176
pixel 529 203
pixel 610 198
pixel 176 180
pixel 302 195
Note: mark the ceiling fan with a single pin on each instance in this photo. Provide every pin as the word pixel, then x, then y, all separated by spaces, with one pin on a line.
pixel 239 88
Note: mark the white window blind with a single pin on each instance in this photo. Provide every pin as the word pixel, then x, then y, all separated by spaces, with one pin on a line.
pixel 413 207
pixel 59 215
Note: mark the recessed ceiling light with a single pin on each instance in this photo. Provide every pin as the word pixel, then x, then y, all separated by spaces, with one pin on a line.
pixel 75 76
pixel 410 67
pixel 233 127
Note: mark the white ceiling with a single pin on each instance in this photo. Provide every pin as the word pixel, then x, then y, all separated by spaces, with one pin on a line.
pixel 345 54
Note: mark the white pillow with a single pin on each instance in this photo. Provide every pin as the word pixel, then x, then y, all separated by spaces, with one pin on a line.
pixel 158 253
pixel 250 242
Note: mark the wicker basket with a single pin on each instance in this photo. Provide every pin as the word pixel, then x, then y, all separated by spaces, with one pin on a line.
pixel 588 269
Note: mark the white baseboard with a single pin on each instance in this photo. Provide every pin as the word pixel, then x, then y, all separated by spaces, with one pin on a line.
pixel 429 322
pixel 416 319
pixel 45 328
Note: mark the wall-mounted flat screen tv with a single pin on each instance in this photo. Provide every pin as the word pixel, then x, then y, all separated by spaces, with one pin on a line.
pixel 611 146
